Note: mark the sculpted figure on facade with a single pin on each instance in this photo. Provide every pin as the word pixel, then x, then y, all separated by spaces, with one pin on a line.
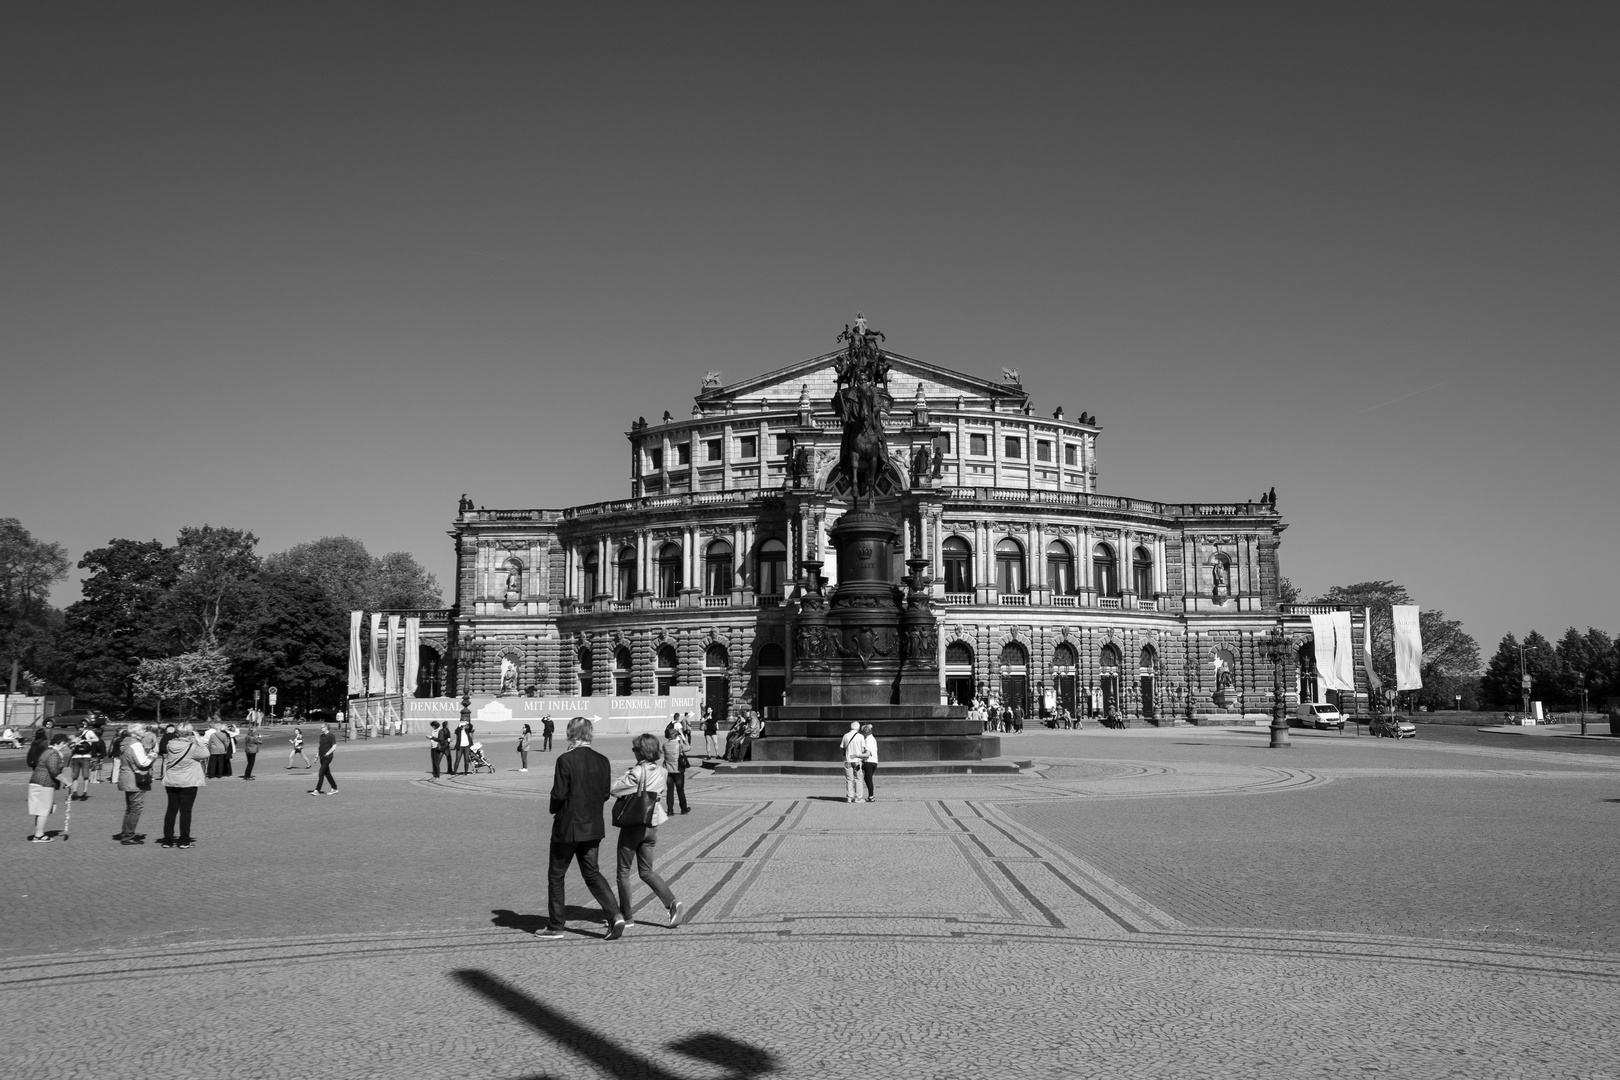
pixel 861 402
pixel 513 591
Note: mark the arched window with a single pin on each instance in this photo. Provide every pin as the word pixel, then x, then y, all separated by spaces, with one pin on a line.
pixel 715 656
pixel 666 668
pixel 1142 573
pixel 624 581
pixel 959 654
pixel 590 576
pixel 1063 657
pixel 1149 657
pixel 1108 680
pixel 1060 568
pixel 716 681
pixel 1105 570
pixel 621 672
pixel 1010 566
pixel 958 565
pixel 584 672
pixel 669 571
pixel 717 573
pixel 1013 656
pixel 1015 677
pixel 771 577
pixel 1109 658
pixel 1065 678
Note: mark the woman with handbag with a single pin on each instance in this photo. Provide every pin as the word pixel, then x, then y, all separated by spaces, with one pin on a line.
pixel 523 747
pixel 183 754
pixel 134 780
pixel 638 813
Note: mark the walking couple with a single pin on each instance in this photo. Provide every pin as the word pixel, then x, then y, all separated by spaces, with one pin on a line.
pixel 860 762
pixel 579 787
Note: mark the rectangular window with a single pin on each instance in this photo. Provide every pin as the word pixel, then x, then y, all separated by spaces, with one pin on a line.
pixel 1015 447
pixel 978 444
pixel 784 445
pixel 712 450
pixel 748 446
pixel 1071 454
pixel 655 459
pixel 1043 451
pixel 683 454
pixel 942 443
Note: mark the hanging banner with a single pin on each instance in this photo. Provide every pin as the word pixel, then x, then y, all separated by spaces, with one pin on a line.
pixel 357 679
pixel 374 675
pixel 1335 651
pixel 1374 683
pixel 413 653
pixel 1408 647
pixel 609 715
pixel 391 658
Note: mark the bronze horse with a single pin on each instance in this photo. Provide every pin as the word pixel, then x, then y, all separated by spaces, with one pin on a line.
pixel 863 453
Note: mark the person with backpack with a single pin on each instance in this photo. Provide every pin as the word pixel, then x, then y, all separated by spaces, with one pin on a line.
pixel 184 754
pixel 134 780
pixel 82 759
pixel 48 765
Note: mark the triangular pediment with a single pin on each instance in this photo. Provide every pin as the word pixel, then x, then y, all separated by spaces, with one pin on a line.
pixel 817 378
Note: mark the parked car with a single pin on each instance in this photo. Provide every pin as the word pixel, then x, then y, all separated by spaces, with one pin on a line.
pixel 1312 715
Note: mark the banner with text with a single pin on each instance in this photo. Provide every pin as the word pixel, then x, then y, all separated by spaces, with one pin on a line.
pixel 610 715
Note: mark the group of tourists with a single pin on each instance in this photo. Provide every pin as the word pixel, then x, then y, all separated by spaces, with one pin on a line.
pixel 997 715
pixel 581 784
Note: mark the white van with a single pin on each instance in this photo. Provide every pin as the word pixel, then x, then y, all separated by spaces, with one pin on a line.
pixel 1318 716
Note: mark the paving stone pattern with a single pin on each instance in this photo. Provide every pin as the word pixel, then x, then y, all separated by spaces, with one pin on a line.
pixel 1147 904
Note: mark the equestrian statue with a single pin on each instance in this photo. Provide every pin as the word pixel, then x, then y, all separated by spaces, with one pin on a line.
pixel 861 402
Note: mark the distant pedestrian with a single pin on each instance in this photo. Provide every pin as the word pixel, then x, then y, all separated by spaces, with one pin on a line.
pixel 674 754
pixel 326 751
pixel 82 751
pixel 434 749
pixel 711 734
pixel 184 754
pixel 134 780
pixel 42 784
pixel 446 754
pixel 214 740
pixel 230 732
pixel 579 787
pixel 869 759
pixel 251 743
pixel 850 745
pixel 523 748
pixel 636 842
pixel 297 750
pixel 464 741
pixel 546 729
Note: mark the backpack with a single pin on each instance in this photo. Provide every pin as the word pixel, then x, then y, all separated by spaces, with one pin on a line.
pixel 34 753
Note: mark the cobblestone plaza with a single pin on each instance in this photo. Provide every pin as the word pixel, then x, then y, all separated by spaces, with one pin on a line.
pixel 1176 902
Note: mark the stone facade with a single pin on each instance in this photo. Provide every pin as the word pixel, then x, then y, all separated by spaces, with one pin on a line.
pixel 1040 581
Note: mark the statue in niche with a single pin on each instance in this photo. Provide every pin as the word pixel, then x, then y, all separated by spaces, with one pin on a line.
pixel 920 460
pixel 938 463
pixel 509 676
pixel 513 592
pixel 1221 580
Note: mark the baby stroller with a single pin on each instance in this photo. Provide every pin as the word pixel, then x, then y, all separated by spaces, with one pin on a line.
pixel 479 761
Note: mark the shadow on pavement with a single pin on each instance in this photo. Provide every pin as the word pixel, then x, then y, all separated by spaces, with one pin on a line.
pixel 740 1059
pixel 512 920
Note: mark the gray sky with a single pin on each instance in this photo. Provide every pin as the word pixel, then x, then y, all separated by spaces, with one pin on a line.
pixel 319 269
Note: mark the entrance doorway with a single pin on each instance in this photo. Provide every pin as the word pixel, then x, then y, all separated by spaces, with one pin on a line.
pixel 1064 678
pixel 717 682
pixel 1108 679
pixel 959 673
pixel 770 677
pixel 1015 677
pixel 1145 680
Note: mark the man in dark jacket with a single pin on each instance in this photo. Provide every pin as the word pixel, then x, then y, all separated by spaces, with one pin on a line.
pixel 579 787
pixel 328 749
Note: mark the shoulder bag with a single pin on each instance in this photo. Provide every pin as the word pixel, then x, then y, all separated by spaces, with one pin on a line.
pixel 637 809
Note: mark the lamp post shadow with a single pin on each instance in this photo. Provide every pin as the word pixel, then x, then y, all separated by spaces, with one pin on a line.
pixel 743 1061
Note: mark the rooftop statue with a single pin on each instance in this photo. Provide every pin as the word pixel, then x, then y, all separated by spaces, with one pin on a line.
pixel 861 402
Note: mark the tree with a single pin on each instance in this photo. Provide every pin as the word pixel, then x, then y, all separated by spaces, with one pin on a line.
pixel 28 570
pixel 1585 660
pixel 195 678
pixel 1450 654
pixel 1499 686
pixel 293 638
pixel 216 568
pixel 1287 592
pixel 356 581
pixel 120 621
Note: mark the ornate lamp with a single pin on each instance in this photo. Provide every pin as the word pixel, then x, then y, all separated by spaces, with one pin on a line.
pixel 1277 652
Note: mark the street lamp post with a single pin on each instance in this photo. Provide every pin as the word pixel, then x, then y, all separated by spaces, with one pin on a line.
pixel 1276 651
